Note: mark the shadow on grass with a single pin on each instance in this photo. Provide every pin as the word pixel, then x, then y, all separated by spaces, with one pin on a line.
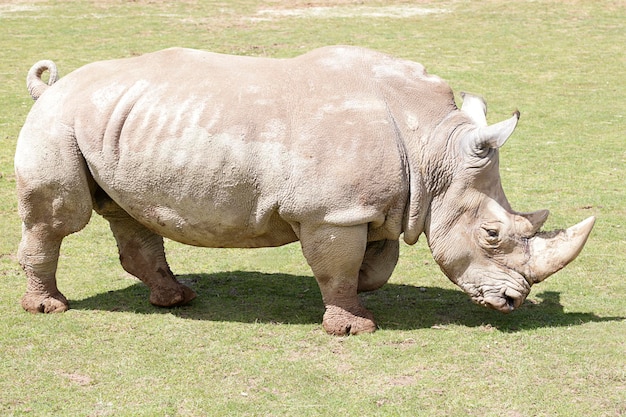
pixel 250 297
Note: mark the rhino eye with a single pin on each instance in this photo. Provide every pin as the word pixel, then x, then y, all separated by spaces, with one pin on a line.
pixel 492 235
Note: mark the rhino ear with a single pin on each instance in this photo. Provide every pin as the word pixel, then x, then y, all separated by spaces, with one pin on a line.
pixel 494 136
pixel 476 108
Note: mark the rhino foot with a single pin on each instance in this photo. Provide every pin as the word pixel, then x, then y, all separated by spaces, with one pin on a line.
pixel 37 302
pixel 171 296
pixel 340 322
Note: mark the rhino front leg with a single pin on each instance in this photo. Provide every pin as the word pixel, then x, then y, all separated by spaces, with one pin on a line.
pixel 335 255
pixel 379 262
pixel 142 255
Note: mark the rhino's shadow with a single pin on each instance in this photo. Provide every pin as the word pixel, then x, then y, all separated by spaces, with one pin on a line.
pixel 251 297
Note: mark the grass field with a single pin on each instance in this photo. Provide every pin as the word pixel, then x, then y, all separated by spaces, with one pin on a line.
pixel 252 344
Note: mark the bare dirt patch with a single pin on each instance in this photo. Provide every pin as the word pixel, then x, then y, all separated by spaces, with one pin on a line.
pixel 17 8
pixel 331 12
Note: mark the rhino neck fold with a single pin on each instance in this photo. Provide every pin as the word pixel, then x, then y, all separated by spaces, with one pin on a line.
pixel 419 197
pixel 433 162
pixel 416 206
pixel 430 155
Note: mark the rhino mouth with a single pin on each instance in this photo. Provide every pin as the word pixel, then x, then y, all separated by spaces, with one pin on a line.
pixel 504 298
pixel 504 303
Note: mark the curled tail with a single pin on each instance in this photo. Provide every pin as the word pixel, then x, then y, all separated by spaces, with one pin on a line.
pixel 36 86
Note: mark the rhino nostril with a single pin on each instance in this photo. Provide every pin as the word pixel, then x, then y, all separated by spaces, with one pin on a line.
pixel 510 301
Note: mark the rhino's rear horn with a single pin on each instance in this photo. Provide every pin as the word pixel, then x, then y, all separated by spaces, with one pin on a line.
pixel 528 224
pixel 549 252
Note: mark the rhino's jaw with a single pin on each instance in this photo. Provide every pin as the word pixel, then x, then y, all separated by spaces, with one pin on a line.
pixel 499 291
pixel 505 302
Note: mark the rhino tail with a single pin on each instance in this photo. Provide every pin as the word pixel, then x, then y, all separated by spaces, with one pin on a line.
pixel 36 86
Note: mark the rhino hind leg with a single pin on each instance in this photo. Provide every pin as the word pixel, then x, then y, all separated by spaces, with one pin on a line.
pixel 378 264
pixel 335 255
pixel 43 229
pixel 142 254
pixel 54 201
pixel 38 255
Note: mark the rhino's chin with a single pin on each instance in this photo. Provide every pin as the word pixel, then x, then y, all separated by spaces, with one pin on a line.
pixel 504 297
pixel 504 304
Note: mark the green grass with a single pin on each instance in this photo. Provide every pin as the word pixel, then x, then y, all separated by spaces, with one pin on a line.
pixel 251 343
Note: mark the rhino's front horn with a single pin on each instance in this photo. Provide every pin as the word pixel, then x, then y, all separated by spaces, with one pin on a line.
pixel 551 251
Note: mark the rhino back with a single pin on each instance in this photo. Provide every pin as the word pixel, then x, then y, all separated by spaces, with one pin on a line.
pixel 217 150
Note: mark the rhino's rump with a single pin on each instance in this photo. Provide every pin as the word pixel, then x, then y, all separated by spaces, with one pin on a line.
pixel 223 151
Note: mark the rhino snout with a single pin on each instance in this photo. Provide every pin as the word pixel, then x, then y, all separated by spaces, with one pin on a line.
pixel 506 302
pixel 505 296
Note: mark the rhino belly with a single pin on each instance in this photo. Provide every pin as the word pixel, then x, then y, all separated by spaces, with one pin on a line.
pixel 204 198
pixel 217 227
pixel 218 219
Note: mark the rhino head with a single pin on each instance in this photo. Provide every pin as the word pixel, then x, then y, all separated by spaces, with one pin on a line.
pixel 492 252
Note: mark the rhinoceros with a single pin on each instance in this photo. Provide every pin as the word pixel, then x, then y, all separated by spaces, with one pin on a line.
pixel 344 149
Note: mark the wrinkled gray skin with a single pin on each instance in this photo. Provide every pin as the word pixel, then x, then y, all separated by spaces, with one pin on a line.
pixel 344 149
